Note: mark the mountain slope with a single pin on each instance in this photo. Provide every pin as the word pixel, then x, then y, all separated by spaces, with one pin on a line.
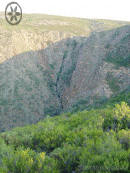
pixel 37 83
pixel 93 75
pixel 49 63
pixel 37 31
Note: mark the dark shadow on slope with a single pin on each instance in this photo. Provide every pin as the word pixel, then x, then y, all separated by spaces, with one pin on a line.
pixel 27 91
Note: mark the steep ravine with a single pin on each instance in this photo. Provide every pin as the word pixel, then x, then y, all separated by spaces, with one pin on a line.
pixel 90 75
pixel 69 61
pixel 45 82
pixel 57 89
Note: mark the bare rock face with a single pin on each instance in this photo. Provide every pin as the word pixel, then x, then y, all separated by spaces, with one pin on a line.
pixel 44 82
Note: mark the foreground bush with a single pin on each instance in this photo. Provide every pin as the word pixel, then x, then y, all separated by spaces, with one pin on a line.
pixel 28 161
pixel 118 118
pixel 88 141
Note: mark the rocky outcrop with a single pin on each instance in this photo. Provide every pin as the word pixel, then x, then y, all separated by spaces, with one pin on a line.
pixel 18 41
pixel 44 82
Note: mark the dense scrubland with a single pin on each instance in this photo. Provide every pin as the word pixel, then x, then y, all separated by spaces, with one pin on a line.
pixel 95 140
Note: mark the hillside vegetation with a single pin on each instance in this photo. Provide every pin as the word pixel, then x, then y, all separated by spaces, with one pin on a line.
pixel 64 95
pixel 88 141
pixel 45 23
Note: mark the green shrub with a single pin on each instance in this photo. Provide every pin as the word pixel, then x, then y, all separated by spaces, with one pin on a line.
pixel 27 161
pixel 21 161
pixel 2 170
pixel 50 165
pixel 52 110
pixel 74 121
pixel 4 151
pixel 113 82
pixel 87 141
pixel 52 66
pixel 106 155
pixel 117 119
pixel 67 158
pixel 107 45
pixel 49 138
pixel 124 138
pixel 118 59
pixel 122 115
pixel 65 54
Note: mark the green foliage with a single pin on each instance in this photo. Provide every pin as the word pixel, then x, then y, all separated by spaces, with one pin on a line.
pixel 125 39
pixel 74 43
pixel 87 141
pixel 122 96
pixel 2 87
pixel 116 34
pixel 52 111
pixel 19 137
pixel 4 152
pixel 117 56
pixel 101 102
pixel 50 165
pixel 24 161
pixel 99 157
pixel 72 142
pixel 50 138
pixel 50 85
pixel 3 102
pixel 65 54
pixel 117 119
pixel 124 138
pixel 84 104
pixel 68 157
pixel 107 45
pixel 67 75
pixel 52 66
pixel 113 82
pixel 19 162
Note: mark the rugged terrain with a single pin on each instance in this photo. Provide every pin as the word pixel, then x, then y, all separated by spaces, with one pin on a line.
pixel 48 63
